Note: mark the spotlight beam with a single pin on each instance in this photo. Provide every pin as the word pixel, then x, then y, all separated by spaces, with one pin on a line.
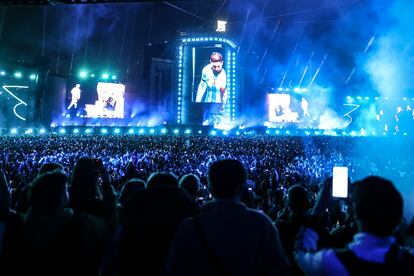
pixel 183 10
pixel 268 45
pixel 365 51
pixel 287 67
pixel 317 71
pixel 306 69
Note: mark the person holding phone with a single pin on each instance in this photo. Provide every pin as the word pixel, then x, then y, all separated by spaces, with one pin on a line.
pixel 378 209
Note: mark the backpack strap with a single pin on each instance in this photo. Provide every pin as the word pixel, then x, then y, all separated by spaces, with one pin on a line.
pixel 212 256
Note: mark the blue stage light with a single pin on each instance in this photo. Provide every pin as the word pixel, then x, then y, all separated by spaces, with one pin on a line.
pixel 29 131
pixel 104 131
pixel 75 130
pixel 83 74
pixel 105 76
pixel 13 131
pixel 176 131
pixel 164 130
pixel 32 77
pixel 62 131
pixel 141 131
pixel 88 130
pixel 42 131
pixel 152 131
pixel 117 131
pixel 213 132
pixel 187 131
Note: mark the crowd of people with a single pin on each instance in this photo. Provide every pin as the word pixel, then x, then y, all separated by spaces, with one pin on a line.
pixel 122 205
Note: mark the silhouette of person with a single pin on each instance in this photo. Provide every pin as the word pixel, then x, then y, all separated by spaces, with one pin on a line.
pixel 76 94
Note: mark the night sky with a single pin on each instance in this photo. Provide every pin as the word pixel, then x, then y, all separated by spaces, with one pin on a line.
pixel 278 39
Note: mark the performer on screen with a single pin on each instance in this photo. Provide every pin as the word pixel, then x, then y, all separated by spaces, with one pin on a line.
pixel 212 88
pixel 76 93
pixel 304 104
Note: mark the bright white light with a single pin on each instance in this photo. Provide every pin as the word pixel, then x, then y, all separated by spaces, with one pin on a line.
pixel 267 131
pixel 13 131
pixel 62 131
pixel 277 131
pixel 29 131
pixel 152 131
pixel 176 131
pixel 221 26
pixel 113 77
pixel 3 73
pixel 131 131
pixel 42 131
pixel 75 130
pixel 88 130
pixel 117 131
pixel 199 132
pixel 213 132
pixel 141 131
pixel 83 74
pixel 104 131
pixel 164 130
pixel 187 131
pixel 105 76
pixel 18 75
pixel 32 76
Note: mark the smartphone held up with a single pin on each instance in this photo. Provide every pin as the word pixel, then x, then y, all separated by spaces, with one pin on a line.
pixel 340 182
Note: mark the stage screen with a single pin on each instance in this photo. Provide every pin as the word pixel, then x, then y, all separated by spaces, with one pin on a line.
pixel 308 109
pixel 15 103
pixel 207 82
pixel 95 100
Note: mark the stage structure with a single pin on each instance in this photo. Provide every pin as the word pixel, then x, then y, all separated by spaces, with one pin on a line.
pixel 207 90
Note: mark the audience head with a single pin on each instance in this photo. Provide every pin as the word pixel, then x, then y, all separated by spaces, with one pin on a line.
pixel 190 183
pixel 226 179
pixel 49 166
pixel 162 179
pixel 48 192
pixel 298 199
pixel 378 205
pixel 85 182
pixel 130 188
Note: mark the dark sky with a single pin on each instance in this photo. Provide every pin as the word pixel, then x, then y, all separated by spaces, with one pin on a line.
pixel 278 39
